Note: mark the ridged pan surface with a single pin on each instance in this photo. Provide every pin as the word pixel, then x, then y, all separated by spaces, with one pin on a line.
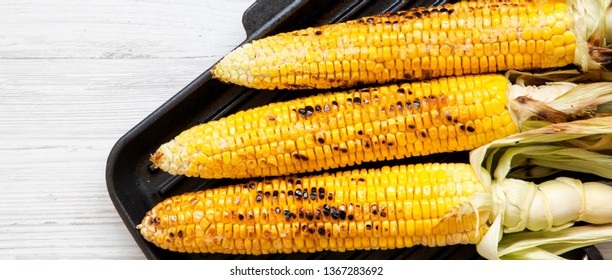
pixel 135 186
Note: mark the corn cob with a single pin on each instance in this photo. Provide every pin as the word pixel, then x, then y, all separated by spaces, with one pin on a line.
pixel 422 43
pixel 385 208
pixel 346 128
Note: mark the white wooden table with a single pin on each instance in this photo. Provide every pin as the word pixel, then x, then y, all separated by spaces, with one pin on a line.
pixel 74 77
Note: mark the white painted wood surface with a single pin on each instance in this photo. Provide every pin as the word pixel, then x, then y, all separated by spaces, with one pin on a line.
pixel 74 77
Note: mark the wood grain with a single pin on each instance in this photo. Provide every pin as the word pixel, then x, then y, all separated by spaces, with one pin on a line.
pixel 74 77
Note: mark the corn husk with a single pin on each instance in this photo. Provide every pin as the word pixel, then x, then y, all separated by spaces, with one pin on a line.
pixel 580 146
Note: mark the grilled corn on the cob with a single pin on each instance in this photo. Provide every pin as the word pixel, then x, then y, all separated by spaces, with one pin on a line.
pixel 463 38
pixel 386 208
pixel 346 128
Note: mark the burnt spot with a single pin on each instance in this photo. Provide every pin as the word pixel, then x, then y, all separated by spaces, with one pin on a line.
pixel 455 120
pixel 311 230
pixel 342 214
pixel 240 217
pixel 287 214
pixel 321 231
pixel 390 144
pixel 470 128
pixel 318 32
pixel 275 194
pixel 376 227
pixel 321 140
pixel 443 10
pixel 391 108
pixel 271 118
pixel 298 193
pixel 172 234
pixel 370 20
pixel 357 100
pixel 383 214
pixel 449 117
pixel 335 148
pixel 417 15
pixel 313 196
pixel 411 126
pixel 387 22
pixel 330 196
pixel 321 193
pixel 374 209
pixel 335 104
pixel 367 144
pixel 409 17
pixel 298 182
pixel 326 210
pixel 290 193
pixel 350 217
pixel 258 198
pixel 423 133
pixel 360 20
pixel 309 215
pixel 267 194
pixel 277 210
pixel 326 108
pixel 408 103
pixel 300 157
pixel 416 103
pixel 401 90
pixel 343 150
pixel 462 127
pixel 318 108
pixel 252 185
pixel 334 213
pixel 450 12
pixel 349 100
pixel 318 214
pixel 304 228
pixel 301 215
pixel 425 13
pixel 309 110
pixel 399 105
pixel 368 226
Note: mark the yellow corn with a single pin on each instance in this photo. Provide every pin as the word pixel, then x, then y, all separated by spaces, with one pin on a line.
pixel 464 38
pixel 385 208
pixel 345 128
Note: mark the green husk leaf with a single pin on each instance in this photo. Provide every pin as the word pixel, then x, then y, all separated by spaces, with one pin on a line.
pixel 555 147
pixel 535 107
pixel 555 242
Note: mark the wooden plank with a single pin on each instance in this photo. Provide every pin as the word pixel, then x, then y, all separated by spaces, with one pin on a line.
pixel 74 77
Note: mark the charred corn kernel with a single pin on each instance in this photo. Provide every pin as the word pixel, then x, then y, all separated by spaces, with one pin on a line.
pixel 305 214
pixel 416 44
pixel 342 129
